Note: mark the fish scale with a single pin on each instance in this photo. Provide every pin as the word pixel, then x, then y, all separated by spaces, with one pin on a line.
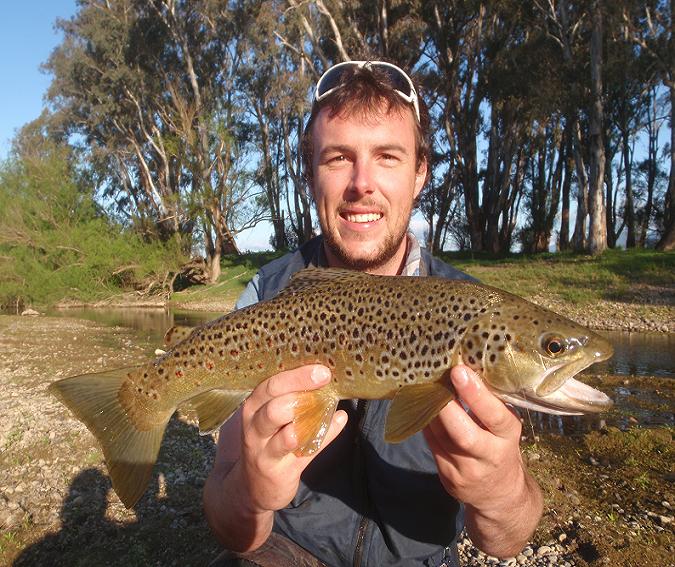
pixel 382 338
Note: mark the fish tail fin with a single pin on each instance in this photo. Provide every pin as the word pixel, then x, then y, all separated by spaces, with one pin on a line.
pixel 130 452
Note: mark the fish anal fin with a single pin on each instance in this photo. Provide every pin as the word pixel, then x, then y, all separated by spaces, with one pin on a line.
pixel 413 407
pixel 215 407
pixel 313 413
pixel 130 452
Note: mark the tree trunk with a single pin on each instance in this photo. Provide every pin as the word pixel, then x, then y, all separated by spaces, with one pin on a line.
pixel 564 238
pixel 579 236
pixel 629 209
pixel 667 242
pixel 652 157
pixel 597 239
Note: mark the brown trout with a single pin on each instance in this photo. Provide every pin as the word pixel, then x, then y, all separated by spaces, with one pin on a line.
pixel 383 338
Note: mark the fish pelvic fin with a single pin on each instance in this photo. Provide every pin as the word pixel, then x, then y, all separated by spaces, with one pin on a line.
pixel 314 411
pixel 215 407
pixel 130 453
pixel 413 407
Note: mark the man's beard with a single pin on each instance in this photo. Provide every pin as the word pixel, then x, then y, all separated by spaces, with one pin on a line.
pixel 386 251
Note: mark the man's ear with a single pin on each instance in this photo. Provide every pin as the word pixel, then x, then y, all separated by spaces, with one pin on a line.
pixel 420 178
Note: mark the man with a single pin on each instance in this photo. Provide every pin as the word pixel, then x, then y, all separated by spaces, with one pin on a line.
pixel 361 501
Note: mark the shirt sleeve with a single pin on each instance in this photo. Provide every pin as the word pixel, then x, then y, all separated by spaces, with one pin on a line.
pixel 251 293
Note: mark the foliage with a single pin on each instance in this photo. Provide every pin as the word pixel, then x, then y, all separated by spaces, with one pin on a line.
pixel 54 241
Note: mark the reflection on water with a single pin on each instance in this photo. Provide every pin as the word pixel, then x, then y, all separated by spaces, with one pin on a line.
pixel 639 354
pixel 150 323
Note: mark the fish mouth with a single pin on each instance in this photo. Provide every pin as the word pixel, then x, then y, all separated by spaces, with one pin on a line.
pixel 558 375
pixel 572 398
pixel 560 394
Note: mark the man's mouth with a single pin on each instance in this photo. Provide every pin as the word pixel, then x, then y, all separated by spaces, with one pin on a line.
pixel 361 218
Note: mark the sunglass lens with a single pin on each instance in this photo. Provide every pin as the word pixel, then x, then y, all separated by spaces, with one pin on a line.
pixel 397 80
pixel 329 81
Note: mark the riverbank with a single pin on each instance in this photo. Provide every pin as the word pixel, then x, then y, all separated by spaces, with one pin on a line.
pixel 619 291
pixel 608 490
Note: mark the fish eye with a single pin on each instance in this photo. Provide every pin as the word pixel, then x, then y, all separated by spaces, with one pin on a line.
pixel 553 346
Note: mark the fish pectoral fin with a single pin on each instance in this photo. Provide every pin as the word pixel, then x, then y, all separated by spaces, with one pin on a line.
pixel 176 334
pixel 314 411
pixel 215 407
pixel 130 452
pixel 413 407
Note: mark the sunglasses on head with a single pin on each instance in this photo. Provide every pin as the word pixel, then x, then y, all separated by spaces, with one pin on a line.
pixel 399 80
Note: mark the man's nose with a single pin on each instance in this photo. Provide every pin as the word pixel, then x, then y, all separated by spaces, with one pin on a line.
pixel 362 178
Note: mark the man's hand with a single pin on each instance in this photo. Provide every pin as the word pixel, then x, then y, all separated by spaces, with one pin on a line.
pixel 479 462
pixel 268 466
pixel 256 471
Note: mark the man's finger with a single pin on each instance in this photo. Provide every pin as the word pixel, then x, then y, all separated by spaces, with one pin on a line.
pixel 307 377
pixel 487 408
pixel 285 442
pixel 272 416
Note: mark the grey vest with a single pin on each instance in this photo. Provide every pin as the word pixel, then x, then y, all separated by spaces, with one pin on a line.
pixel 363 501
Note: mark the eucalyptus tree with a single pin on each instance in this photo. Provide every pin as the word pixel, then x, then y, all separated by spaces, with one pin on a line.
pixel 102 94
pixel 649 25
pixel 148 85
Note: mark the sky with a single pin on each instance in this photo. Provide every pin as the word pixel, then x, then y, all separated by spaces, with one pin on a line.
pixel 27 37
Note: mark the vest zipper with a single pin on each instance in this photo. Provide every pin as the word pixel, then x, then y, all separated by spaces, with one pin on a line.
pixel 361 407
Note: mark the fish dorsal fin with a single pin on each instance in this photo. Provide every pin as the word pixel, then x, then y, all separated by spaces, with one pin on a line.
pixel 215 407
pixel 176 334
pixel 310 277
pixel 413 407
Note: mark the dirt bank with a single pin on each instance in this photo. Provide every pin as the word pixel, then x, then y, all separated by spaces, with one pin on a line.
pixel 609 493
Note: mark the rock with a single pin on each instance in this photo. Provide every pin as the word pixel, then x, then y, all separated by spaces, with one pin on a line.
pixel 533 457
pixel 593 461
pixel 544 550
pixel 29 312
pixel 562 537
pixel 664 520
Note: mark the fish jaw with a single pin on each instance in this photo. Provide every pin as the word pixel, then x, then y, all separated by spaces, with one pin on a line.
pixel 572 398
pixel 597 350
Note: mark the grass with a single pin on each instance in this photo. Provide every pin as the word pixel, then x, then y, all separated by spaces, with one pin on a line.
pixel 577 278
pixel 236 272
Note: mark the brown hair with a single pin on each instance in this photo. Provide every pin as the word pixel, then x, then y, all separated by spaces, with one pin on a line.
pixel 365 90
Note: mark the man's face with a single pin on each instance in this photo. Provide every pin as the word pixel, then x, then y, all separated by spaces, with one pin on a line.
pixel 364 183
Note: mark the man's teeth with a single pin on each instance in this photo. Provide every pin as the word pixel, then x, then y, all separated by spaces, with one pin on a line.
pixel 367 217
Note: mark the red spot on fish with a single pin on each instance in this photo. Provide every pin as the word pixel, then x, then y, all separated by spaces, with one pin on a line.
pixel 234 352
pixel 179 373
pixel 209 365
